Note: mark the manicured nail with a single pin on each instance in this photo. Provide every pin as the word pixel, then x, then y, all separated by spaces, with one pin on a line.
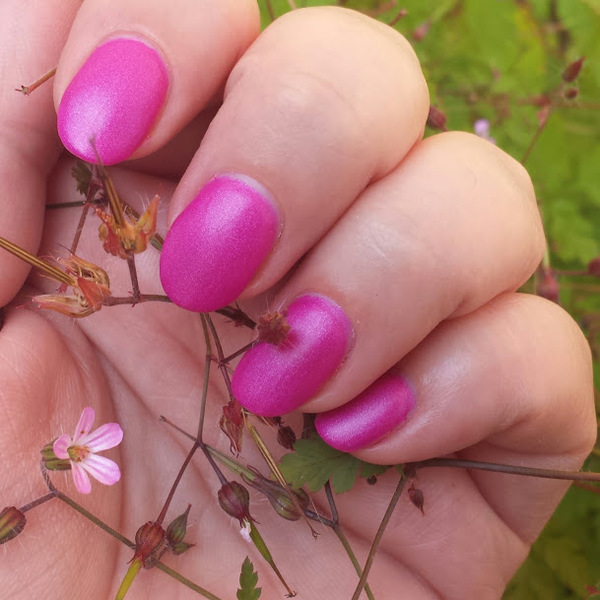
pixel 271 380
pixel 382 407
pixel 113 101
pixel 217 243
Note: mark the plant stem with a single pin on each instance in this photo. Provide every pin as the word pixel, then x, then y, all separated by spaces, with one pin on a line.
pixel 117 300
pixel 187 582
pixel 79 230
pixel 95 520
pixel 384 522
pixel 27 89
pixel 337 529
pixel 509 469
pixel 238 316
pixel 207 365
pixel 38 501
pixel 186 462
pixel 135 285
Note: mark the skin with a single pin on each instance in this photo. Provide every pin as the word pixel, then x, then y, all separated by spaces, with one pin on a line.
pixel 422 243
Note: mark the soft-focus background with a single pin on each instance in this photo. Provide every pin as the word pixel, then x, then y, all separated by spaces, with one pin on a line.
pixel 498 66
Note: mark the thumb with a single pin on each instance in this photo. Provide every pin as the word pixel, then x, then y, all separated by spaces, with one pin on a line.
pixel 33 34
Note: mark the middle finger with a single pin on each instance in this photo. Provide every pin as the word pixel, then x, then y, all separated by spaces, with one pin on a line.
pixel 324 102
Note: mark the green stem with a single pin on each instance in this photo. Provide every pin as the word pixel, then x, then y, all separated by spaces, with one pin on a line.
pixel 187 582
pixel 206 376
pixel 384 522
pixel 95 520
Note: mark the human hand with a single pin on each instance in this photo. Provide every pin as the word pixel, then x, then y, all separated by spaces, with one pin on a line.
pixel 420 245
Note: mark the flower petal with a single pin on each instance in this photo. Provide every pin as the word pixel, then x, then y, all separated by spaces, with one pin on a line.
pixel 84 424
pixel 60 446
pixel 103 469
pixel 105 437
pixel 80 478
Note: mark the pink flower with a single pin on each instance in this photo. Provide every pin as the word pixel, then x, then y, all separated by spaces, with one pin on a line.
pixel 482 129
pixel 81 450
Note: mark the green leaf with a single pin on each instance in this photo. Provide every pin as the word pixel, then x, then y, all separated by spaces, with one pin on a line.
pixel 248 581
pixel 313 463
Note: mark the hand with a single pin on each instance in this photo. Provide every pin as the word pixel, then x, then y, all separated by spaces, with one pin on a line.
pixel 416 246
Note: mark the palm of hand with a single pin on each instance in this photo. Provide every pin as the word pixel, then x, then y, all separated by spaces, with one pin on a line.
pixel 133 364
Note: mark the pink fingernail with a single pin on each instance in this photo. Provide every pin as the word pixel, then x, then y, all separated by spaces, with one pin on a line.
pixel 272 380
pixel 382 407
pixel 217 243
pixel 113 100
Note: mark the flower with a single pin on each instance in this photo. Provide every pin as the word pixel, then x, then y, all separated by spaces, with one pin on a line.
pixel 81 450
pixel 482 129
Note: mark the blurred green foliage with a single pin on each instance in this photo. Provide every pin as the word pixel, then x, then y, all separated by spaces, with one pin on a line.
pixel 503 60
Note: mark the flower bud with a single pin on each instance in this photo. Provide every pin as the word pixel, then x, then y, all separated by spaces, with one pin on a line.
pixel 416 497
pixel 594 267
pixel 177 528
pixel 176 532
pixel 12 522
pixel 149 540
pixel 571 73
pixel 571 93
pixel 547 286
pixel 235 501
pixel 51 461
pixel 436 119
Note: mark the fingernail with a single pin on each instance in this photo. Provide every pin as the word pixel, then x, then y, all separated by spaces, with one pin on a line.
pixel 217 243
pixel 113 100
pixel 368 418
pixel 271 380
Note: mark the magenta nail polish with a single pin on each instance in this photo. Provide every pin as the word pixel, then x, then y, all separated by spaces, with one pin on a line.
pixel 217 243
pixel 272 380
pixel 382 407
pixel 114 100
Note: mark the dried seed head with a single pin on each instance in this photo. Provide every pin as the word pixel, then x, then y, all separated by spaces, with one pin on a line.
pixel 149 541
pixel 273 328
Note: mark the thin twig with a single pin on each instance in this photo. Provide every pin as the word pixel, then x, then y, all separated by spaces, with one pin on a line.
pixel 27 89
pixel 377 539
pixel 337 529
pixel 509 469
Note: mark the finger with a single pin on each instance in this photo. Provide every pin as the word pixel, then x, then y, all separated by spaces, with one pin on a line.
pixel 32 36
pixel 134 73
pixel 508 383
pixel 306 124
pixel 452 227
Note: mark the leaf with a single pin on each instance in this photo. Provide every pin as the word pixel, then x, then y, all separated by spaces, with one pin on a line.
pixel 313 463
pixel 82 174
pixel 248 581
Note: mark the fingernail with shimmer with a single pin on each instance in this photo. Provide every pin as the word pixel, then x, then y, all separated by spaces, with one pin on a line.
pixel 113 101
pixel 216 245
pixel 274 379
pixel 369 417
